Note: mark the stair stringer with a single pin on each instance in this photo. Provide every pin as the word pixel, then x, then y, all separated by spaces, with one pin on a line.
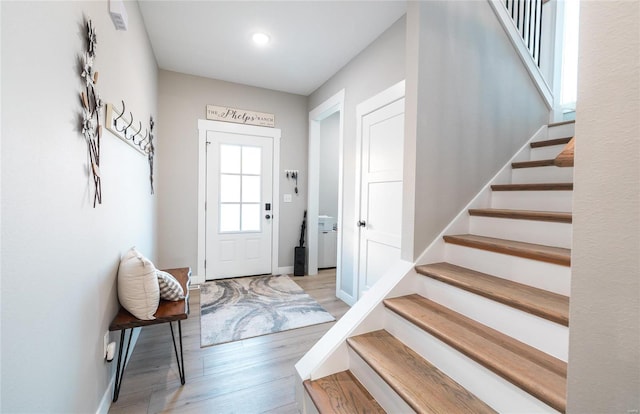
pixel 330 354
pixel 461 223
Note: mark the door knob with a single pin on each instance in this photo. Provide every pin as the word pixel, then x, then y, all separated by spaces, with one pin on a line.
pixel 362 223
pixel 268 216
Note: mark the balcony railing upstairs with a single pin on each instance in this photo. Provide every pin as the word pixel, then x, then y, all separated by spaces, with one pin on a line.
pixel 527 16
pixel 528 26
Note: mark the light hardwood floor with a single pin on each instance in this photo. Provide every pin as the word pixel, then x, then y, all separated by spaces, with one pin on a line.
pixel 255 375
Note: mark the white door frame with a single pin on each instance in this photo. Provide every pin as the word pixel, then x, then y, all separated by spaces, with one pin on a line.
pixel 384 98
pixel 274 134
pixel 333 105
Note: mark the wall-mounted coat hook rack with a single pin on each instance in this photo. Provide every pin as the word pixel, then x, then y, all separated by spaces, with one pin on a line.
pixel 293 174
pixel 122 127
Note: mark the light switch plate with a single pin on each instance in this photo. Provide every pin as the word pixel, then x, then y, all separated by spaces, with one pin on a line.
pixel 287 198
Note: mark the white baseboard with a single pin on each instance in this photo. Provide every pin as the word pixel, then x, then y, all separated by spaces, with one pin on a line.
pixel 348 299
pixel 285 270
pixel 105 402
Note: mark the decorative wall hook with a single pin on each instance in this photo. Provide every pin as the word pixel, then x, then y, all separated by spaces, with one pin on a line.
pixel 124 131
pixel 122 126
pixel 121 113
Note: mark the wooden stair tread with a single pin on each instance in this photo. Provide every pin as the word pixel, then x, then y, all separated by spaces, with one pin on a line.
pixel 554 124
pixel 565 158
pixel 533 164
pixel 535 215
pixel 341 393
pixel 424 387
pixel 550 142
pixel 552 216
pixel 537 373
pixel 533 187
pixel 542 303
pixel 549 254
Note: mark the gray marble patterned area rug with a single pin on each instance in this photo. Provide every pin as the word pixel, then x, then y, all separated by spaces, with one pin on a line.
pixel 235 309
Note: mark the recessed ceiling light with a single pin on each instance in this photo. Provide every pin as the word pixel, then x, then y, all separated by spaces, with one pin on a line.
pixel 260 39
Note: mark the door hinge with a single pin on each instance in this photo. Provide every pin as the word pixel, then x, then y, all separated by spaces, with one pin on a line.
pixel 205 206
pixel 205 264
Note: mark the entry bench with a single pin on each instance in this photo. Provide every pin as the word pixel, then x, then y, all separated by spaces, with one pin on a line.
pixel 168 311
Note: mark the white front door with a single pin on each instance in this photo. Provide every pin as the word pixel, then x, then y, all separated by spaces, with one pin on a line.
pixel 380 218
pixel 239 204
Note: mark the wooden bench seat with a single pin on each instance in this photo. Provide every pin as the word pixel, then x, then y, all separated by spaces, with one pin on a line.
pixel 168 311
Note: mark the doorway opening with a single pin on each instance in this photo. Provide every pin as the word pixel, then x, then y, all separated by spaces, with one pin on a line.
pixel 326 122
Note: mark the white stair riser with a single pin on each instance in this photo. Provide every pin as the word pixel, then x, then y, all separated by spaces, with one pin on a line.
pixel 549 174
pixel 495 391
pixel 549 337
pixel 388 399
pixel 533 200
pixel 547 276
pixel 530 231
pixel 545 153
pixel 561 131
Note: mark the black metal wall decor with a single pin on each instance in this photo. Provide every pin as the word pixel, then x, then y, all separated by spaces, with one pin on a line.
pixel 151 151
pixel 91 109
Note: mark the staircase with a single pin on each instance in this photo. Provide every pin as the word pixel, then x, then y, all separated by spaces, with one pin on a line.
pixel 485 329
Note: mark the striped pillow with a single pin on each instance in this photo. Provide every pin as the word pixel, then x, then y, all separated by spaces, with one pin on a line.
pixel 170 288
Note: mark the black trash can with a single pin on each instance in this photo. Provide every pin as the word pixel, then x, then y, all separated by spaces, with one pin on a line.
pixel 299 261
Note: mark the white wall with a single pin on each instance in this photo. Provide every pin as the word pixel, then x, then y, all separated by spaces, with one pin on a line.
pixel 376 68
pixel 59 255
pixel 182 101
pixel 329 152
pixel 604 346
pixel 474 106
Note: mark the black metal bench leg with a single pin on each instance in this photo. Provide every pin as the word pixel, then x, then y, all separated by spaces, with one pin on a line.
pixel 180 358
pixel 121 364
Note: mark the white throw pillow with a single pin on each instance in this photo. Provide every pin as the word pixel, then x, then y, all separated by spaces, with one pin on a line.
pixel 170 288
pixel 138 289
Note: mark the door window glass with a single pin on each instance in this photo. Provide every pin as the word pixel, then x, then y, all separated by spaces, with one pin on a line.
pixel 251 160
pixel 229 218
pixel 250 217
pixel 230 158
pixel 240 188
pixel 229 188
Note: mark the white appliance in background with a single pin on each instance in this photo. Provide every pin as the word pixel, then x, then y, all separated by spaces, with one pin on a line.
pixel 325 223
pixel 327 249
pixel 327 242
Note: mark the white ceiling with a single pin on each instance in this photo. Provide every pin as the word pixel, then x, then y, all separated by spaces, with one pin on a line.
pixel 310 40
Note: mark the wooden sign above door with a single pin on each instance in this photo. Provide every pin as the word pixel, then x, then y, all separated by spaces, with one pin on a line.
pixel 240 116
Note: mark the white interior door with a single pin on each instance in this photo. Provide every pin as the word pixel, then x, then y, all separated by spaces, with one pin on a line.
pixel 380 223
pixel 239 207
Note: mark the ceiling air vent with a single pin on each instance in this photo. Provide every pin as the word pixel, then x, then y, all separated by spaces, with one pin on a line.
pixel 118 14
